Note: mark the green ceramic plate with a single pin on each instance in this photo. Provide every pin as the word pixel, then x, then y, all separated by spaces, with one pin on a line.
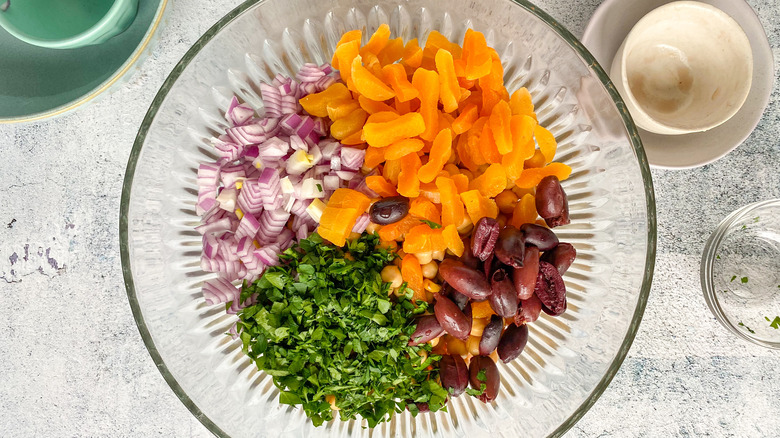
pixel 36 82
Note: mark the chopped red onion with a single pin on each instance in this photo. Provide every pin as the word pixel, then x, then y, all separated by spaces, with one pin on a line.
pixel 247 227
pixel 227 199
pixel 346 175
pixel 335 163
pixel 219 290
pixel 289 122
pixel 331 182
pixel 352 158
pixel 330 149
pixel 361 224
pixel 238 114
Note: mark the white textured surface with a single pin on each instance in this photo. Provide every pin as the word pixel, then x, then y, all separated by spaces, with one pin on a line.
pixel 73 363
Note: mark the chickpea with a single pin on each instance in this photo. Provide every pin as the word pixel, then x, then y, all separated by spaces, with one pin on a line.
pixel 506 201
pixel 424 355
pixel 472 345
pixel 424 257
pixel 456 346
pixel 391 274
pixel 478 326
pixel 430 269
pixel 372 228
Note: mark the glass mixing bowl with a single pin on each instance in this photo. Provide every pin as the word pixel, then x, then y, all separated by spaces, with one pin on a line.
pixel 569 360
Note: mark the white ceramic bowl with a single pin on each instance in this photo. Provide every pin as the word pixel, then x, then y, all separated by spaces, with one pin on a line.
pixel 685 67
pixel 607 29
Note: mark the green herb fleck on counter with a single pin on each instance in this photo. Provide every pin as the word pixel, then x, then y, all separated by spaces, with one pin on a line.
pixel 743 280
pixel 733 278
pixel 775 323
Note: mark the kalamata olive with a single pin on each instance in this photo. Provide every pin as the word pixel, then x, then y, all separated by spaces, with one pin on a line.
pixel 525 278
pixel 510 247
pixel 487 265
pixel 539 236
pixel 529 310
pixel 512 342
pixel 503 300
pixel 483 240
pixel 389 210
pixel 550 289
pixel 423 407
pixel 454 374
pixel 468 258
pixel 428 328
pixel 551 202
pixel 491 335
pixel 456 297
pixel 451 318
pixel 464 279
pixel 482 370
pixel 562 256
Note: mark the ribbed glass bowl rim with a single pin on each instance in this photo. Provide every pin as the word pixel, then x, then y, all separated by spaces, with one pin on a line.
pixel 708 275
pixel 636 143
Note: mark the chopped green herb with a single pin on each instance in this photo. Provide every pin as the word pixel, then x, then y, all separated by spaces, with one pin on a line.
pixel 319 187
pixel 775 323
pixel 431 224
pixel 477 392
pixel 744 227
pixel 748 328
pixel 733 278
pixel 767 318
pixel 743 280
pixel 717 256
pixel 323 326
pixel 756 219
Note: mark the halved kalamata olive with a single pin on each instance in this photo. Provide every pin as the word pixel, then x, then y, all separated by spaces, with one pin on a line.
pixel 468 258
pixel 451 318
pixel 525 278
pixel 464 279
pixel 482 370
pixel 454 374
pixel 491 335
pixel 551 202
pixel 512 342
pixel 503 300
pixel 550 289
pixel 483 240
pixel 529 310
pixel 510 247
pixel 539 236
pixel 428 328
pixel 389 210
pixel 562 256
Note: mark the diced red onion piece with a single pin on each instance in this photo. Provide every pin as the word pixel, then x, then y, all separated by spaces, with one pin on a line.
pixel 247 227
pixel 219 290
pixel 330 149
pixel 361 223
pixel 346 175
pixel 352 158
pixel 289 122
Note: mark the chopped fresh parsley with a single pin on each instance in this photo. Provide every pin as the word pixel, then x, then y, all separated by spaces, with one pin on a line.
pixel 743 280
pixel 756 219
pixel 319 187
pixel 431 224
pixel 733 278
pixel 482 378
pixel 775 323
pixel 748 328
pixel 717 256
pixel 323 326
pixel 744 227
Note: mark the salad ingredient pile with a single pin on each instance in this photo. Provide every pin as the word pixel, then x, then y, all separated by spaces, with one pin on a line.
pixel 433 192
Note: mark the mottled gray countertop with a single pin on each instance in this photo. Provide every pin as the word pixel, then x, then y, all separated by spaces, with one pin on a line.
pixel 72 362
